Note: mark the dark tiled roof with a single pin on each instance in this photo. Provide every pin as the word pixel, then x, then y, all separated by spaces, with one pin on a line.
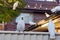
pixel 40 4
pixel 34 10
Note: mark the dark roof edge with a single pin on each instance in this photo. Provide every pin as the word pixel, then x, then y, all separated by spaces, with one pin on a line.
pixel 27 10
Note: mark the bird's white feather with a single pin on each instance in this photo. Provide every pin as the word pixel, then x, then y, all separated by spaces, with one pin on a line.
pixel 51 29
pixel 56 9
pixel 15 5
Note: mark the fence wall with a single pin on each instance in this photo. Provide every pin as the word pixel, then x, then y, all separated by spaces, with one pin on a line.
pixel 14 35
pixel 1 26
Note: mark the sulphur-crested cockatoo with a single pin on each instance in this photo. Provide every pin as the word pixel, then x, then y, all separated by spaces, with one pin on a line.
pixel 21 25
pixel 15 5
pixel 51 29
pixel 56 9
pixel 47 15
pixel 32 23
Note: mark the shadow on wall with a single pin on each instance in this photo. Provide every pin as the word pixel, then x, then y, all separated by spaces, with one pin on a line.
pixel 10 26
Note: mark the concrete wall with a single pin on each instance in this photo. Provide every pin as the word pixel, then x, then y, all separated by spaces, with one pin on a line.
pixel 14 35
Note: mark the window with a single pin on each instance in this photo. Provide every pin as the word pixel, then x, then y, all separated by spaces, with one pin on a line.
pixel 26 16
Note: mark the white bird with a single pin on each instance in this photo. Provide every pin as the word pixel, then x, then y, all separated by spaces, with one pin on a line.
pixel 32 23
pixel 21 25
pixel 47 15
pixel 56 9
pixel 15 5
pixel 51 29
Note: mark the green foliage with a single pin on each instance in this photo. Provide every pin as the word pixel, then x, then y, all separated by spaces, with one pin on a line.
pixel 6 12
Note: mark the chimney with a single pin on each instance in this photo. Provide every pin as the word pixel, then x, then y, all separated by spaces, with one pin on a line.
pixel 57 1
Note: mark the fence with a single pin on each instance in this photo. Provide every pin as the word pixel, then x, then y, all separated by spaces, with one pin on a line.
pixel 15 35
pixel 1 26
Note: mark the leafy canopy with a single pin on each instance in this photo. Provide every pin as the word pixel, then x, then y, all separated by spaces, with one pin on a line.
pixel 6 11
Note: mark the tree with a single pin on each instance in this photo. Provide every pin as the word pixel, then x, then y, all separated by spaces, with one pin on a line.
pixel 6 11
